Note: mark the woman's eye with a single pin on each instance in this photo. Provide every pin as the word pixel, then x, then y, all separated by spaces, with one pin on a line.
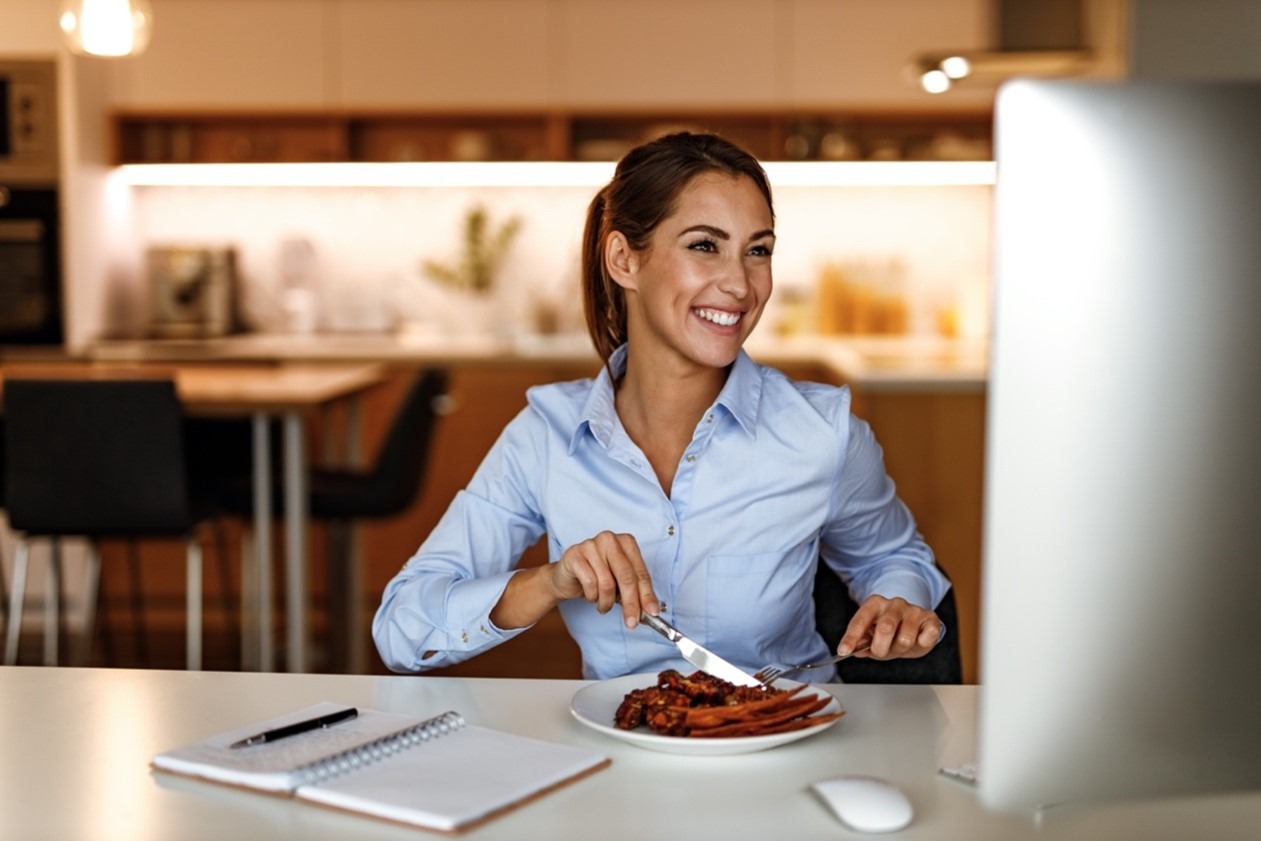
pixel 703 245
pixel 760 251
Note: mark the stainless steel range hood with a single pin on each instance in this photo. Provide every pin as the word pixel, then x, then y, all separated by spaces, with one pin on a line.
pixel 1035 38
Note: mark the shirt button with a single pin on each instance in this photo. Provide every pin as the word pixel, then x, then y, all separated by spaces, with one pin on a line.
pixel 463 636
pixel 709 418
pixel 691 458
pixel 670 531
pixel 484 631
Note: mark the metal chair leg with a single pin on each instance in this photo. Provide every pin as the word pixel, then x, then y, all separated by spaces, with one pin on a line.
pixel 16 596
pixel 193 606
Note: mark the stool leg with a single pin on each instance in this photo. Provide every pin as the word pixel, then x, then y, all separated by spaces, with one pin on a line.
pixel 91 591
pixel 52 605
pixel 16 596
pixel 193 607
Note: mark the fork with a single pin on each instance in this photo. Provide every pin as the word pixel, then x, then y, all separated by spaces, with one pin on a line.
pixel 770 673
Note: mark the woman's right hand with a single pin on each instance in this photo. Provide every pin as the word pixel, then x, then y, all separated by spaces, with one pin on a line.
pixel 604 570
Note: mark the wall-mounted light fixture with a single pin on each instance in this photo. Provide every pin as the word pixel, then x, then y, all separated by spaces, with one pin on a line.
pixel 106 28
pixel 939 72
pixel 1035 38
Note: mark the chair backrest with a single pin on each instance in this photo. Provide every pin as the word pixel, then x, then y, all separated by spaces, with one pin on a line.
pixel 95 457
pixel 399 469
pixel 833 608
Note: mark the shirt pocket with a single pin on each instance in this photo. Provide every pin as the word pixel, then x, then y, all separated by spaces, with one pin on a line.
pixel 759 599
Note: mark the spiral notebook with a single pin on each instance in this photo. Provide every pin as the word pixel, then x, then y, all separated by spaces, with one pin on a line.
pixel 438 773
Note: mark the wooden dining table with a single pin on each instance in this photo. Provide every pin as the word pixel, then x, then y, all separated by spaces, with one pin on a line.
pixel 288 393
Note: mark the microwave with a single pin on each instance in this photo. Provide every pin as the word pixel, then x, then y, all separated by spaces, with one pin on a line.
pixel 28 122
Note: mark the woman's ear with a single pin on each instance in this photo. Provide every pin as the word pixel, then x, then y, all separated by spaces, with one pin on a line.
pixel 621 260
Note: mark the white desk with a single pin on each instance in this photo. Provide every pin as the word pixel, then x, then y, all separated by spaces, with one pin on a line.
pixel 77 742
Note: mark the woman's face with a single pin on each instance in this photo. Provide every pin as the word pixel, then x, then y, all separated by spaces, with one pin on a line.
pixel 699 288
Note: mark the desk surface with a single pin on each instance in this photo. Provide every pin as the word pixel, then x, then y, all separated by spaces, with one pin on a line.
pixel 77 742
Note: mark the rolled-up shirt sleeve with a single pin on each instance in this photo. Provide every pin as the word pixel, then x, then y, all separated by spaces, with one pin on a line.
pixel 436 611
pixel 871 540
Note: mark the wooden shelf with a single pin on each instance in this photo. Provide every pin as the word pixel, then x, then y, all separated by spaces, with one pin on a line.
pixel 319 136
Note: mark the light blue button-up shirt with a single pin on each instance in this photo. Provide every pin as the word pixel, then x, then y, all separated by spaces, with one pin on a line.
pixel 778 476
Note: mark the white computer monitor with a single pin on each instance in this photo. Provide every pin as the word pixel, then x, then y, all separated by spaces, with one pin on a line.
pixel 1121 619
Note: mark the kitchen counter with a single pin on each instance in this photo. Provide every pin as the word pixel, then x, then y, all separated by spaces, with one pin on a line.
pixel 870 362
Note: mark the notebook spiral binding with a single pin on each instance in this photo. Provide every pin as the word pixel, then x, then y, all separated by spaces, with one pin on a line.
pixel 378 749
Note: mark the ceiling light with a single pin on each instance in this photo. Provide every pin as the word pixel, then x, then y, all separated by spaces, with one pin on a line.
pixel 106 28
pixel 935 80
pixel 956 66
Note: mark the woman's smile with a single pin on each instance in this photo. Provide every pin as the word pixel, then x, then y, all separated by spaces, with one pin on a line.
pixel 721 318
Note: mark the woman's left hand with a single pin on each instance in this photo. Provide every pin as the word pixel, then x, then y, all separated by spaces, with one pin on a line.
pixel 895 627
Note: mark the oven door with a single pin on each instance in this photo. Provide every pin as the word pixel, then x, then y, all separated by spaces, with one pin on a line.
pixel 30 275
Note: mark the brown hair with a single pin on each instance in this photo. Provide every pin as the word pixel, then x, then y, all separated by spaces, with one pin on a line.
pixel 644 191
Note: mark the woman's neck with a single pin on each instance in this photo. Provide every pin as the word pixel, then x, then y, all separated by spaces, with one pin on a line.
pixel 660 405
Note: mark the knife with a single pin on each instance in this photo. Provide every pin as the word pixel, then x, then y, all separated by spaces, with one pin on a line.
pixel 699 656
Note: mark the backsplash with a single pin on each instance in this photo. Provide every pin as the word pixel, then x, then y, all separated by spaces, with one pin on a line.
pixel 932 243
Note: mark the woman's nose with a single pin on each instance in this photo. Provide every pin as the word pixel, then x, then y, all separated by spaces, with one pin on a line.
pixel 735 279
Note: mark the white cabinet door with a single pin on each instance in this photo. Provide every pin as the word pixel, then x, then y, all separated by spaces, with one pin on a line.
pixel 856 53
pixel 668 53
pixel 456 53
pixel 229 53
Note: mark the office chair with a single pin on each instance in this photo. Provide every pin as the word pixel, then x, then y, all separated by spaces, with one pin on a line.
pixel 833 609
pixel 94 459
pixel 338 497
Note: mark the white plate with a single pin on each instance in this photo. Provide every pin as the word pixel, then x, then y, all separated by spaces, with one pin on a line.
pixel 595 704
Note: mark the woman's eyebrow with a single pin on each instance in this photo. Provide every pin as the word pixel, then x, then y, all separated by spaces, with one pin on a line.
pixel 706 229
pixel 719 233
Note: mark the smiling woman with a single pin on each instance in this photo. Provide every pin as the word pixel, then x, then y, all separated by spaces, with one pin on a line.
pixel 685 480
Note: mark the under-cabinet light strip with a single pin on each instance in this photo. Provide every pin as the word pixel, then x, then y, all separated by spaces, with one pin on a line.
pixel 538 174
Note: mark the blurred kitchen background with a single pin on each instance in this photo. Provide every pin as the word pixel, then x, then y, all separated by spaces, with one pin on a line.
pixel 164 243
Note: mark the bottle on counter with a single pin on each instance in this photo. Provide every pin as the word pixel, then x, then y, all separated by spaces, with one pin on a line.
pixel 298 280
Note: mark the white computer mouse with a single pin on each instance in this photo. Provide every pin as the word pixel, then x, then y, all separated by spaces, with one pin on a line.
pixel 865 804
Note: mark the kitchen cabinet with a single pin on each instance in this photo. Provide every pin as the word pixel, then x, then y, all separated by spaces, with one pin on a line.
pixel 219 54
pixel 405 80
pixel 239 136
pixel 700 53
pixel 471 54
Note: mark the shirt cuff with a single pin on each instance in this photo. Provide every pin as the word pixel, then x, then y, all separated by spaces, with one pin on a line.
pixel 468 613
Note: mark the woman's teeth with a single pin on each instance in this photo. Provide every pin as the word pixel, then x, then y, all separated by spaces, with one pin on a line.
pixel 722 319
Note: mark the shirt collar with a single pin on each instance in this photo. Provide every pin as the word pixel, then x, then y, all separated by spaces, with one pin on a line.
pixel 599 413
pixel 742 393
pixel 740 397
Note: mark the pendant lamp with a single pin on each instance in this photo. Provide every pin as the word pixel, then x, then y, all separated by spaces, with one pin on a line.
pixel 108 28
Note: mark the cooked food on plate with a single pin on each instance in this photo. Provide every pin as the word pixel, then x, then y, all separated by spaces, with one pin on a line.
pixel 703 706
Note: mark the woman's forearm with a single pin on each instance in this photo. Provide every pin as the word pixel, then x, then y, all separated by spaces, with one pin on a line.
pixel 527 599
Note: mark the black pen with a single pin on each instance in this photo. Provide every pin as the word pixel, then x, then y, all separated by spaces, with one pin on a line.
pixel 297 727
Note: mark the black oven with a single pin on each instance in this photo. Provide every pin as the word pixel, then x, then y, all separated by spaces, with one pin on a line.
pixel 30 266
